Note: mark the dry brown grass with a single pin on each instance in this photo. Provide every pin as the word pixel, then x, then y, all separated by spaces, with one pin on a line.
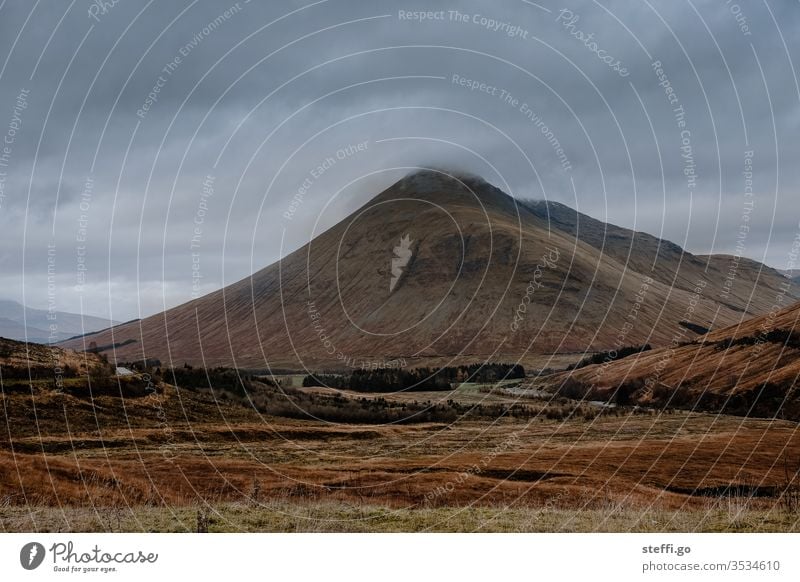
pixel 183 450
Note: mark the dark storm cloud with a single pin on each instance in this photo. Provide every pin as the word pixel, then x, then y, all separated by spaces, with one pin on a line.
pixel 172 137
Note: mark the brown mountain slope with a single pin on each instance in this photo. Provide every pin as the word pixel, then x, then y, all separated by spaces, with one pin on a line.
pixel 670 264
pixel 751 368
pixel 443 267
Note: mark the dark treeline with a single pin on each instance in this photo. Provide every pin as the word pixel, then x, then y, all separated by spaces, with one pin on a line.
pixel 418 379
pixel 775 336
pixel 300 404
pixel 483 373
pixel 227 379
pixel 609 356
pixel 769 400
pixel 95 349
pixel 275 400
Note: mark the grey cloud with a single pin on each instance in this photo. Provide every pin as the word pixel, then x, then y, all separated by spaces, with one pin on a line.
pixel 393 79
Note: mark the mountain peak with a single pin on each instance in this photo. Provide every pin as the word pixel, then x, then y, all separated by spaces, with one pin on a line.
pixel 446 186
pixel 427 180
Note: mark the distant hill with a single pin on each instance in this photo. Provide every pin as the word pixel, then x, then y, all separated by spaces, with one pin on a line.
pixel 451 267
pixel 793 274
pixel 752 369
pixel 22 323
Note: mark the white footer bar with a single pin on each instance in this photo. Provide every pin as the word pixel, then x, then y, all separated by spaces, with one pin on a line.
pixel 401 557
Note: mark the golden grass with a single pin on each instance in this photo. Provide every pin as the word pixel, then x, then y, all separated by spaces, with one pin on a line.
pixel 136 464
pixel 302 516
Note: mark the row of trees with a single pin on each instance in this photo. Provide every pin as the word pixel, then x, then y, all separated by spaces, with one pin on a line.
pixel 776 336
pixel 483 373
pixel 609 356
pixel 418 379
pixel 769 400
pixel 227 379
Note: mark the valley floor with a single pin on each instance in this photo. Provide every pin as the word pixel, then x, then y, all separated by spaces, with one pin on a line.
pixel 156 463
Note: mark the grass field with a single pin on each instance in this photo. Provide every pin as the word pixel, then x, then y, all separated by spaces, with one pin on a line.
pixel 154 463
pixel 286 516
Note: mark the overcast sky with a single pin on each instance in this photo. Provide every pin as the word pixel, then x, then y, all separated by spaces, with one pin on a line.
pixel 131 129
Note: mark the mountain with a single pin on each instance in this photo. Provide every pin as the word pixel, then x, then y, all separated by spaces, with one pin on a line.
pixel 667 262
pixel 793 274
pixel 750 369
pixel 449 267
pixel 22 323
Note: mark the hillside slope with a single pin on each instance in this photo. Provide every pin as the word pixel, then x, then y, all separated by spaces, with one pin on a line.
pixel 23 365
pixel 668 263
pixel 751 369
